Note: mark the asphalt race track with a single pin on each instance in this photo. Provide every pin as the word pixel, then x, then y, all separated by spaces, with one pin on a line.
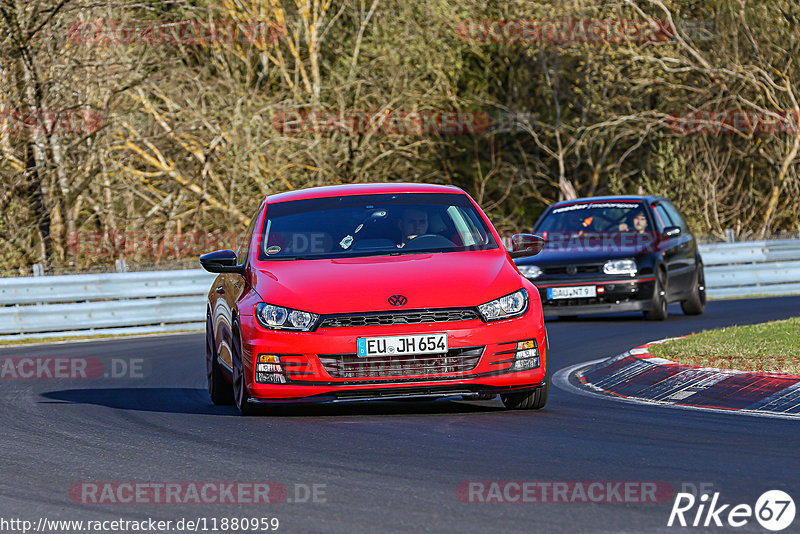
pixel 385 467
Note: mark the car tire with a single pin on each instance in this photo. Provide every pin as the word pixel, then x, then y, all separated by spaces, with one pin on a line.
pixel 658 312
pixel 219 389
pixel 696 304
pixel 529 400
pixel 240 393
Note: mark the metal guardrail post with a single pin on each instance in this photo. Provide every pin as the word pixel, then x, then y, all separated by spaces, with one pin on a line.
pixel 729 236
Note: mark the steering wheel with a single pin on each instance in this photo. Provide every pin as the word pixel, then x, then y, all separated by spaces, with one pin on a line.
pixel 428 241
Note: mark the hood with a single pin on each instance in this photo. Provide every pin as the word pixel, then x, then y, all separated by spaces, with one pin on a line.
pixel 441 280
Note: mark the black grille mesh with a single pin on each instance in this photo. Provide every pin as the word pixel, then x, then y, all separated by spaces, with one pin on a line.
pixel 351 366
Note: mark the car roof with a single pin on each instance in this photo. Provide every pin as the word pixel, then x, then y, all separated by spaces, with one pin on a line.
pixel 361 189
pixel 610 198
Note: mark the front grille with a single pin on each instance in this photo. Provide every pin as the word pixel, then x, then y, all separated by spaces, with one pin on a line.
pixel 399 317
pixel 351 366
pixel 562 269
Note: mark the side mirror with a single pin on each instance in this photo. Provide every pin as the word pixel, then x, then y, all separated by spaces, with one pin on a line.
pixel 221 261
pixel 672 231
pixel 523 245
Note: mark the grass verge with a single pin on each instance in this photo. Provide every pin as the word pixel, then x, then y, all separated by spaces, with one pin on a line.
pixel 772 347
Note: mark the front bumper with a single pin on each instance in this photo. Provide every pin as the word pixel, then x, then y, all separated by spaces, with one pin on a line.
pixel 613 296
pixel 307 378
pixel 465 391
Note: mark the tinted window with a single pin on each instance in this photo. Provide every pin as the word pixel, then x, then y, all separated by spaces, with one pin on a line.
pixel 662 217
pixel 675 215
pixel 594 217
pixel 243 241
pixel 368 225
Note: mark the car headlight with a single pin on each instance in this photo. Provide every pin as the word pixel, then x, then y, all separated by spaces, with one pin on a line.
pixel 530 271
pixel 509 306
pixel 620 267
pixel 280 318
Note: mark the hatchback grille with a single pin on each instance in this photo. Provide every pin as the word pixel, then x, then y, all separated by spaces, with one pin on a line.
pixel 351 366
pixel 404 317
pixel 562 269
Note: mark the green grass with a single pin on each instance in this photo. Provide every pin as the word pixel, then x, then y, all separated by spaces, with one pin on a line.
pixel 772 347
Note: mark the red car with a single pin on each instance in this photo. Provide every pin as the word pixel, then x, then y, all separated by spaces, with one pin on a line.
pixel 379 291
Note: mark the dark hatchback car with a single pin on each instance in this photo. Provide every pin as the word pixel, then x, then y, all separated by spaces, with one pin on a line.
pixel 616 254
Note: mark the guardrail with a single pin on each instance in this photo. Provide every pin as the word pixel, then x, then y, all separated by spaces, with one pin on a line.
pixel 113 303
pixel 752 268
pixel 168 301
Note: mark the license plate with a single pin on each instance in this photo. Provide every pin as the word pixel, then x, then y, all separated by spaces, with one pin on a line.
pixel 576 292
pixel 394 345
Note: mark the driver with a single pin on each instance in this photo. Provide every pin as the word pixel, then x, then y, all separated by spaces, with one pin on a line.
pixel 413 223
pixel 638 221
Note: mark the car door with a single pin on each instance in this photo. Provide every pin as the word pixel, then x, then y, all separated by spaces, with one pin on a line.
pixel 229 288
pixel 687 248
pixel 676 250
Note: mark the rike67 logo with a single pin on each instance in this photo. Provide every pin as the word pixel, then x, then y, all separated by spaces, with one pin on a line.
pixel 774 510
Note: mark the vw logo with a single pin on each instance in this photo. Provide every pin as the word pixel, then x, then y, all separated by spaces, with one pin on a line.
pixel 572 269
pixel 397 300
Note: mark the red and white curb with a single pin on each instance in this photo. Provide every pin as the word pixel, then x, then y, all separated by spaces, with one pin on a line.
pixel 638 376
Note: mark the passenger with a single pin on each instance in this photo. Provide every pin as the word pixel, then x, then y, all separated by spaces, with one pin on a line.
pixel 580 224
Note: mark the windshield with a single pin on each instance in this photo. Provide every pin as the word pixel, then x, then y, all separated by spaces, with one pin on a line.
pixel 586 220
pixel 370 225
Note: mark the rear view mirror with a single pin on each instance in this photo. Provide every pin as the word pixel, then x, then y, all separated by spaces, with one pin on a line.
pixel 221 261
pixel 523 245
pixel 672 231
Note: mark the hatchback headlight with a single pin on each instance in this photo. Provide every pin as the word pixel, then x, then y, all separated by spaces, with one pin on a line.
pixel 530 271
pixel 280 318
pixel 509 306
pixel 620 267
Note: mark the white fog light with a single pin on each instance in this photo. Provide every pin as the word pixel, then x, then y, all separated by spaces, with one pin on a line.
pixel 527 356
pixel 530 271
pixel 620 267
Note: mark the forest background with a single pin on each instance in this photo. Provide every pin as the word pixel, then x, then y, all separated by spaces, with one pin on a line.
pixel 120 120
